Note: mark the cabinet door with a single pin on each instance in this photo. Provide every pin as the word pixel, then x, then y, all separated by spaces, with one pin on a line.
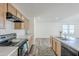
pixel 51 42
pixel 17 25
pixel 22 25
pixel 58 48
pixel 19 15
pixel 26 23
pixel 54 44
pixel 2 15
pixel 30 41
pixel 11 9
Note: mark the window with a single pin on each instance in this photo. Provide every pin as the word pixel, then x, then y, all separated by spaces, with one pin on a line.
pixel 68 29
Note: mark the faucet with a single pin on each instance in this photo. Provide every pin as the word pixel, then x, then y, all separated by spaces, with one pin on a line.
pixel 60 33
pixel 65 35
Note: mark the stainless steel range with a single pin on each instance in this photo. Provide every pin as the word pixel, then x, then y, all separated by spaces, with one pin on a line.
pixel 11 40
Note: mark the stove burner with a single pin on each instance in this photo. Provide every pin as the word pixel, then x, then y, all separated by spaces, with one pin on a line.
pixel 6 43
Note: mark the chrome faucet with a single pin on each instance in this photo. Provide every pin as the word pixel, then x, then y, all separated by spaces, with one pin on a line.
pixel 60 33
pixel 65 35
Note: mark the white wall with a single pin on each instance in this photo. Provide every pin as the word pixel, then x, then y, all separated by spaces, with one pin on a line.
pixel 45 29
pixel 42 30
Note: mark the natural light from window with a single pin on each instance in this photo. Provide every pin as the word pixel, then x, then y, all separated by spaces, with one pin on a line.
pixel 68 30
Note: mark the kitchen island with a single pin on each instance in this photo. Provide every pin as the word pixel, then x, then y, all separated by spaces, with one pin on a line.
pixel 71 41
pixel 65 47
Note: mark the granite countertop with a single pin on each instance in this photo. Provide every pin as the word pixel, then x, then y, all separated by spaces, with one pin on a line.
pixel 71 42
pixel 7 51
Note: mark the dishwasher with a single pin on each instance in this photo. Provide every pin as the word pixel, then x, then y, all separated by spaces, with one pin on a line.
pixel 68 51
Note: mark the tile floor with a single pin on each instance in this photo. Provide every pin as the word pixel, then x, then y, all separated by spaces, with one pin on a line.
pixel 42 48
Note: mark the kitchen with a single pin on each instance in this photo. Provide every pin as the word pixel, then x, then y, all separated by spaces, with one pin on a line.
pixel 15 31
pixel 29 29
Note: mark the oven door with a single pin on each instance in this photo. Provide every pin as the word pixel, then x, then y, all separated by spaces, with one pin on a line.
pixel 23 49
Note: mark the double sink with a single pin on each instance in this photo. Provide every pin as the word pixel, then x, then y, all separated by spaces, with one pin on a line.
pixel 62 38
pixel 67 38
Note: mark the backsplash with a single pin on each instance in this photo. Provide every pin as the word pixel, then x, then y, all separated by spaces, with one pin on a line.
pixel 10 29
pixel 20 33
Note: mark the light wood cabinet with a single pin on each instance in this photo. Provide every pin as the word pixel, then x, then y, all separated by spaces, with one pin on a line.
pixel 2 15
pixel 51 42
pixel 22 24
pixel 58 48
pixel 30 42
pixel 11 9
pixel 15 12
pixel 56 45
pixel 17 25
pixel 26 23
pixel 6 7
pixel 18 14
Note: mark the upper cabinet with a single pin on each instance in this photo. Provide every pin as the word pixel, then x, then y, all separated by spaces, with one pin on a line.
pixel 17 25
pixel 11 9
pixel 2 15
pixel 6 7
pixel 26 23
pixel 18 14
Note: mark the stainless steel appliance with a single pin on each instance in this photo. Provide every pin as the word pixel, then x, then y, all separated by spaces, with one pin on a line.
pixel 23 49
pixel 6 40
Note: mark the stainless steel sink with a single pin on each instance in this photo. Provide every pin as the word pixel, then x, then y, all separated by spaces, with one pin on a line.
pixel 63 38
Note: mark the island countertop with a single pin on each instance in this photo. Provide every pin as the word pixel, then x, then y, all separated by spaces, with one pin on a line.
pixel 7 51
pixel 71 42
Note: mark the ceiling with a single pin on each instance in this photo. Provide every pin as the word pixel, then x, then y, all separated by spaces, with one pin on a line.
pixel 48 12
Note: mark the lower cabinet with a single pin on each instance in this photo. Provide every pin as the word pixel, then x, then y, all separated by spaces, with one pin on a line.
pixel 56 45
pixel 58 48
pixel 51 41
pixel 30 42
